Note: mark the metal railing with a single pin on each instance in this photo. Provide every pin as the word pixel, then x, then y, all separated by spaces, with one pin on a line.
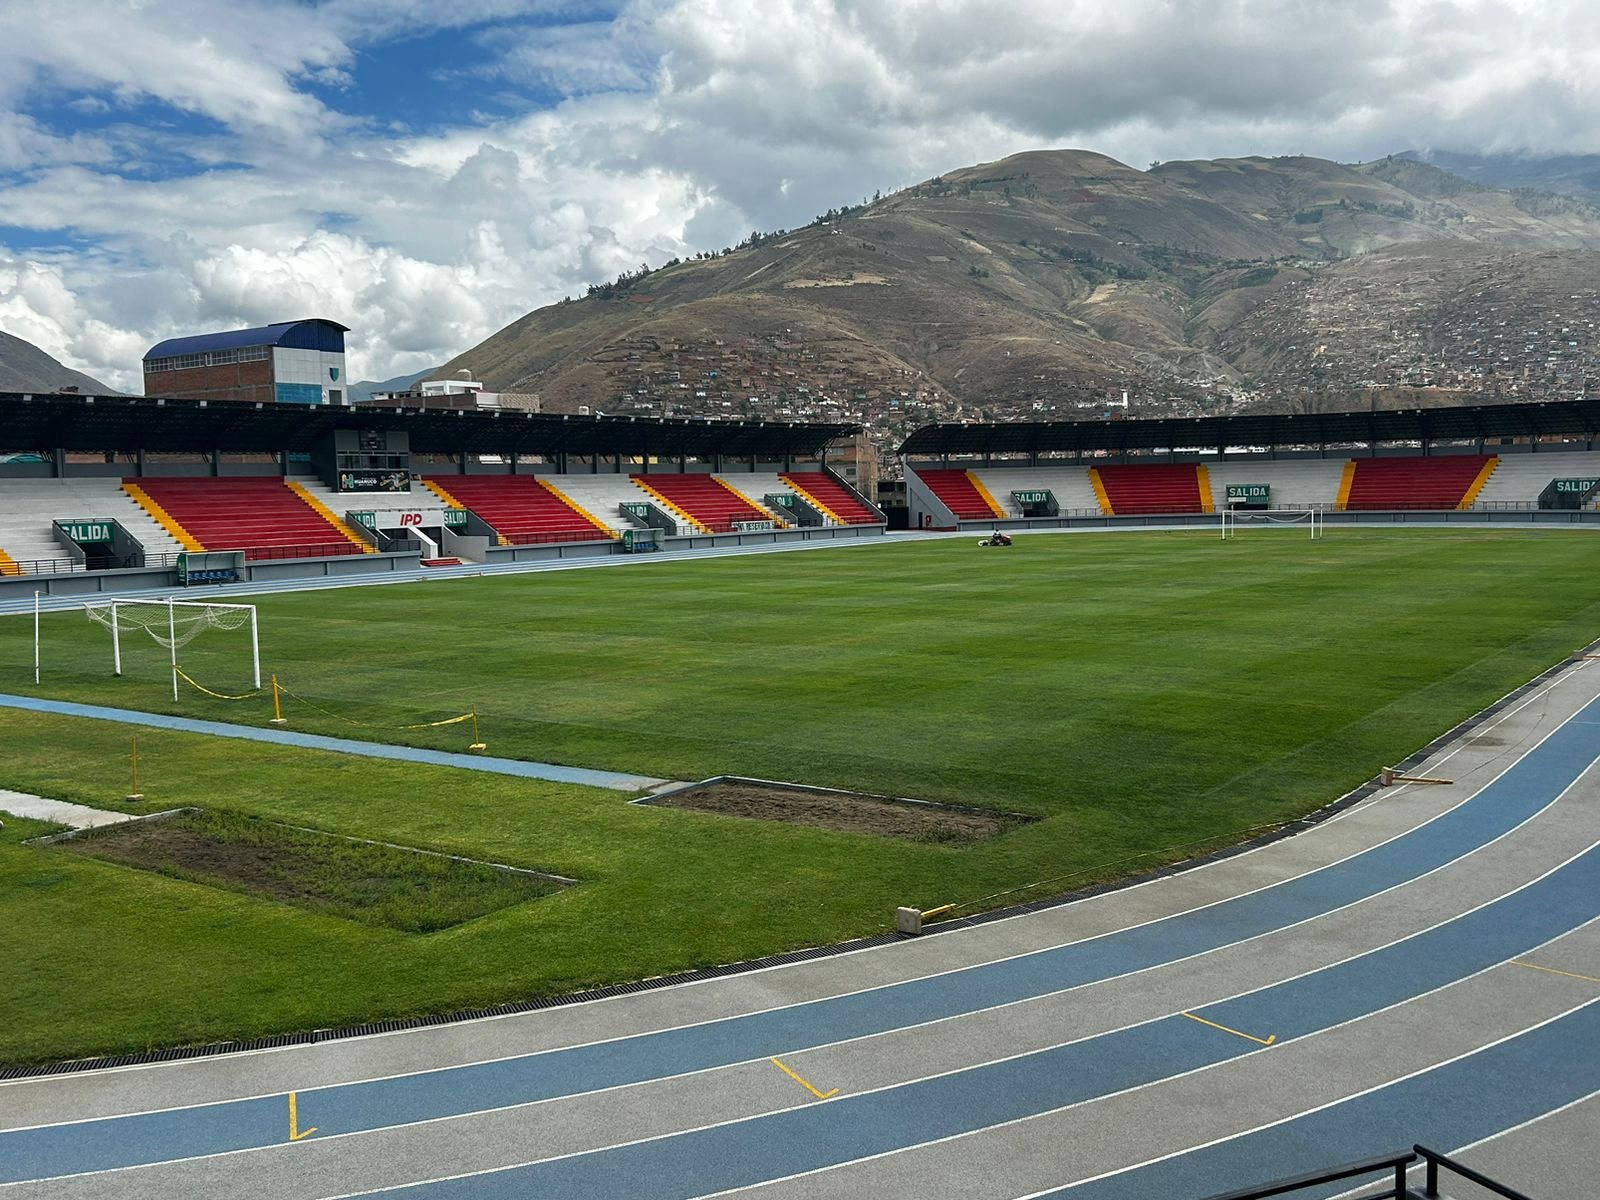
pixel 560 535
pixel 62 566
pixel 41 566
pixel 1435 1160
pixel 1395 1165
pixel 311 550
pixel 1392 1164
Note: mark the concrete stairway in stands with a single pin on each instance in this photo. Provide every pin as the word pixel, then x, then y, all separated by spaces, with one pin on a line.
pixel 28 507
pixel 1521 477
pixel 1068 483
pixel 1293 482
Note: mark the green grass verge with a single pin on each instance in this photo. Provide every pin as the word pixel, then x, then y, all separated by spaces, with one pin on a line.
pixel 1136 692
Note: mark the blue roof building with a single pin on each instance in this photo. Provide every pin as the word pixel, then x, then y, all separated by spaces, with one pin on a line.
pixel 288 362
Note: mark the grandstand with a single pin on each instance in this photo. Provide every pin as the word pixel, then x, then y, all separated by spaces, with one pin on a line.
pixel 523 509
pixel 384 489
pixel 707 502
pixel 265 516
pixel 1531 463
pixel 317 490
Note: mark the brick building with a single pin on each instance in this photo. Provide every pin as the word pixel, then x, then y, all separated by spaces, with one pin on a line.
pixel 290 362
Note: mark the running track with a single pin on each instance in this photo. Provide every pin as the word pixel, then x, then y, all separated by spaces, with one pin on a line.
pixel 1425 967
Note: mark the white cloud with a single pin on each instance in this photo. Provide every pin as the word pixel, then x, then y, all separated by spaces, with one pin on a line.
pixel 686 123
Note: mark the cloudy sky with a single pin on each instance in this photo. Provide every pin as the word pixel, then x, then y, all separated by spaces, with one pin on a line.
pixel 426 171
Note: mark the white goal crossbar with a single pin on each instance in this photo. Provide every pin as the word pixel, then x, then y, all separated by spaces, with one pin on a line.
pixel 174 623
pixel 1272 516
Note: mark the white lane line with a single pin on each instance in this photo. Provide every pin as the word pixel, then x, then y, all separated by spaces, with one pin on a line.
pixel 1305 1112
pixel 999 1125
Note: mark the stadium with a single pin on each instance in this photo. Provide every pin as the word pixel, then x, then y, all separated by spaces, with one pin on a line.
pixel 710 828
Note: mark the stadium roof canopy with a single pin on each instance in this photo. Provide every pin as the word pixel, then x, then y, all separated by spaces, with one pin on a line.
pixel 314 333
pixel 127 424
pixel 1580 418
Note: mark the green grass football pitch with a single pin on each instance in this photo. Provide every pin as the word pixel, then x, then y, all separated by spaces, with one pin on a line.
pixel 1139 693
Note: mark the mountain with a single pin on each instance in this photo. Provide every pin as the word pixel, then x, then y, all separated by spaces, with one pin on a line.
pixel 1051 283
pixel 364 390
pixel 26 368
pixel 1565 174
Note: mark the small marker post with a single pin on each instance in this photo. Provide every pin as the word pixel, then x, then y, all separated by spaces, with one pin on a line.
pixel 134 793
pixel 277 705
pixel 477 742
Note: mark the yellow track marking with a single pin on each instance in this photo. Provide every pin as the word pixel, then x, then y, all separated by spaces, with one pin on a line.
pixel 1552 971
pixel 803 1083
pixel 295 1132
pixel 1266 1041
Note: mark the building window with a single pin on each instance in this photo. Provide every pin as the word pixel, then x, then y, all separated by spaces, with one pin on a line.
pixel 210 358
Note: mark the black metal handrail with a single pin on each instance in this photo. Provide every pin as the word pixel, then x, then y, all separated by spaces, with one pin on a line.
pixel 1435 1160
pixel 1396 1163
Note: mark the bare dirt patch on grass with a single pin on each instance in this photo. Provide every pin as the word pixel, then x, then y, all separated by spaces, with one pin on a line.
pixel 392 886
pixel 851 812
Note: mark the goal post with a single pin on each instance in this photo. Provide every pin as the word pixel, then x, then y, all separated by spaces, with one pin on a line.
pixel 174 624
pixel 1311 517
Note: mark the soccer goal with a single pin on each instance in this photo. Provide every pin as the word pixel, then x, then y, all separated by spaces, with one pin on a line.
pixel 174 624
pixel 1232 518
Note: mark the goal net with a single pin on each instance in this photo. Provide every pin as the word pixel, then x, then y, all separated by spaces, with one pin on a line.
pixel 174 624
pixel 1233 518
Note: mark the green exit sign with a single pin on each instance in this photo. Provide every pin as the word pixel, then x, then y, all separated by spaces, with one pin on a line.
pixel 1249 491
pixel 1038 497
pixel 1574 485
pixel 96 529
pixel 455 516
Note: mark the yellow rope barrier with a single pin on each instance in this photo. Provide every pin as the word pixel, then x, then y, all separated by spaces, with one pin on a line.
pixel 368 724
pixel 477 740
pixel 209 692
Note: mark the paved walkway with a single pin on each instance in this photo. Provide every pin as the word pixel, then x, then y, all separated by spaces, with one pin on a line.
pixel 59 812
pixel 614 780
pixel 1423 967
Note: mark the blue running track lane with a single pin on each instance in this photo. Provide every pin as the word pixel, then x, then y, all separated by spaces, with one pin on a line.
pixel 816 1136
pixel 311 741
pixel 1456 1104
pixel 848 1128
